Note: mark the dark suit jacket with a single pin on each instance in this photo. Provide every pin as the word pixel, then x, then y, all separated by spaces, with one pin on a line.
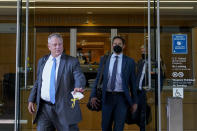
pixel 128 79
pixel 69 77
pixel 140 66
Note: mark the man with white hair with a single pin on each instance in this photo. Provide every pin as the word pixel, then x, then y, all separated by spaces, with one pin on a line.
pixel 57 76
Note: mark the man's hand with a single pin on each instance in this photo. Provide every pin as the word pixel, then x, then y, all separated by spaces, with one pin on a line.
pixel 31 107
pixel 95 102
pixel 78 90
pixel 133 108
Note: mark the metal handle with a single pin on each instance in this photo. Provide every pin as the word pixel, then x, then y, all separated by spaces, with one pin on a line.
pixel 158 63
pixel 18 39
pixel 149 48
pixel 26 42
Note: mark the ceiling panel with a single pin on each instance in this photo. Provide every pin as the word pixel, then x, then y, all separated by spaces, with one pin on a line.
pixel 47 7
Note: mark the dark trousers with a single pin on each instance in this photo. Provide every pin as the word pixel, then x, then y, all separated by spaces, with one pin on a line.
pixel 49 121
pixel 114 111
pixel 142 109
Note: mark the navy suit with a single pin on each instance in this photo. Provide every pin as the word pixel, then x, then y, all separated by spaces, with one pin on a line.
pixel 61 114
pixel 141 95
pixel 142 103
pixel 114 106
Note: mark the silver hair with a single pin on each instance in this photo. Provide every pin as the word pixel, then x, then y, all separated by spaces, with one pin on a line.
pixel 57 35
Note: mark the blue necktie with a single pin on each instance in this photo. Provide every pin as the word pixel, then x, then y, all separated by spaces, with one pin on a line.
pixel 114 71
pixel 52 82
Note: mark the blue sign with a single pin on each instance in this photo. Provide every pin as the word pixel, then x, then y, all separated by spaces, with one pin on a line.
pixel 179 44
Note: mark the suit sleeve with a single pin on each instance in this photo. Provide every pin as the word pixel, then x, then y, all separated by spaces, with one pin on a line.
pixel 33 93
pixel 79 78
pixel 93 92
pixel 133 83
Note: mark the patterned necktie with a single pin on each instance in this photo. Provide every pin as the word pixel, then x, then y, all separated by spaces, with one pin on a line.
pixel 52 82
pixel 114 71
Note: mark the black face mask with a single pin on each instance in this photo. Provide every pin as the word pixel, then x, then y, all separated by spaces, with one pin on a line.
pixel 117 49
pixel 143 56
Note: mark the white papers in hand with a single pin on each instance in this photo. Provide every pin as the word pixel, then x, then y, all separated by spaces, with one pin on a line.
pixel 77 95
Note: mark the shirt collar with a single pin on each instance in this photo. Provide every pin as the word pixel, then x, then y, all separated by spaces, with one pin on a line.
pixel 119 56
pixel 57 58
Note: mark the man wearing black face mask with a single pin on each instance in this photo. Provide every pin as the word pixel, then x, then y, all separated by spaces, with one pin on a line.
pixel 142 83
pixel 119 87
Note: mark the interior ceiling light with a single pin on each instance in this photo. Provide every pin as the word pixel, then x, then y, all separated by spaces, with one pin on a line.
pixel 16 1
pixel 42 7
pixel 181 8
pixel 89 12
pixel 105 1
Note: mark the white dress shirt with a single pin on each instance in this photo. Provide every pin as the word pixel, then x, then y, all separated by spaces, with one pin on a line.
pixel 142 76
pixel 118 84
pixel 46 75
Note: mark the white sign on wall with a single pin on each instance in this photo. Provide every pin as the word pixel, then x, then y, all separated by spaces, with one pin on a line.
pixel 178 92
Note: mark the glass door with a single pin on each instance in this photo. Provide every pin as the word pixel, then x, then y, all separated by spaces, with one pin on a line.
pixel 173 45
pixel 7 64
pixel 178 53
pixel 25 61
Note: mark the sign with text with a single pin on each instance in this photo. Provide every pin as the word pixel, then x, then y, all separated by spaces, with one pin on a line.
pixel 179 44
pixel 179 72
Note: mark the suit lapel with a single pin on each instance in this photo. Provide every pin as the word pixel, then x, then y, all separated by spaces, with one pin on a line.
pixel 107 66
pixel 105 73
pixel 124 63
pixel 45 58
pixel 60 70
